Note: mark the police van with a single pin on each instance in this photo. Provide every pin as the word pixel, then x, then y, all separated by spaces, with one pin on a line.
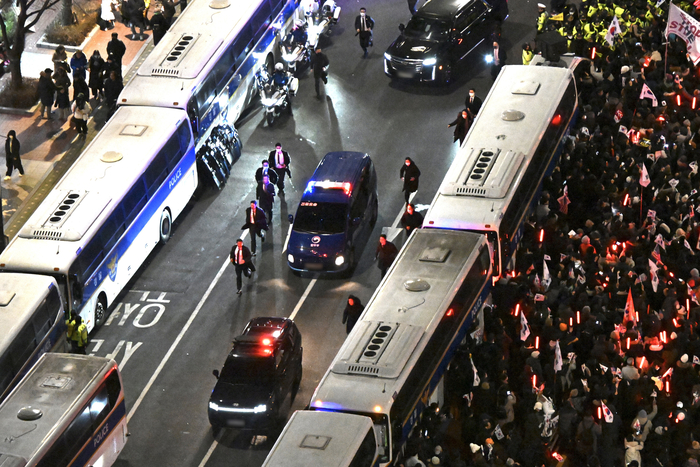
pixel 336 214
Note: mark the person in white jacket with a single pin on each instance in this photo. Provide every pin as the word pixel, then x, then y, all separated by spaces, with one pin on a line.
pixel 633 450
pixel 81 111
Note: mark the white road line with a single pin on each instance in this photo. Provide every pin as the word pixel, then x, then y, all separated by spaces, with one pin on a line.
pixel 209 453
pixel 303 298
pixel 294 313
pixel 286 240
pixel 394 231
pixel 179 337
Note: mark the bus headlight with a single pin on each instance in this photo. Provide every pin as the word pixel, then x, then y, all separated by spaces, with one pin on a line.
pixel 260 408
pixel 387 56
pixel 290 258
pixel 339 260
pixel 430 61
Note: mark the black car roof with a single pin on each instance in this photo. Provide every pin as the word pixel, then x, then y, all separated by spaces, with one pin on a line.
pixel 444 9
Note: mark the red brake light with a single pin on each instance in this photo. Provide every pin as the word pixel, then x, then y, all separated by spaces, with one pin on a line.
pixel 267 341
pixel 450 312
pixel 556 120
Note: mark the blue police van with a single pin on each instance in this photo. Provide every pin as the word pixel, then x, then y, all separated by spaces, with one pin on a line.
pixel 337 212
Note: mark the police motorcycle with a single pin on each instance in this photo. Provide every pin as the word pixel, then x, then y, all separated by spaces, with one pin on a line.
pixel 273 96
pixel 319 22
pixel 295 49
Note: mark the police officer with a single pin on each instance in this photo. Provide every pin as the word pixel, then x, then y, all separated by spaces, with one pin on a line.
pixel 299 35
pixel 265 170
pixel 79 336
pixel 279 80
pixel 279 161
pixel 411 220
pixel 386 254
pixel 256 223
pixel 542 17
pixel 242 259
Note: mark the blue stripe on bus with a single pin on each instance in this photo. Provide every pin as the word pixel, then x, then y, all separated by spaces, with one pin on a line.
pixel 101 434
pixel 151 208
pixel 407 425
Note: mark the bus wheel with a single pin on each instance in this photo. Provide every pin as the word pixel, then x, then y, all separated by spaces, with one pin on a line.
pixel 100 311
pixel 166 226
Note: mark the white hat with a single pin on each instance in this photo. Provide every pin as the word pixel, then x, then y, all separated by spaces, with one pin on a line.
pixel 474 447
pixel 624 69
pixel 538 405
pixel 684 358
pixel 541 5
pixel 435 460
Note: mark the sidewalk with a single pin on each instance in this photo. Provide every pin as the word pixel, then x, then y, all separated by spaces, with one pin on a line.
pixel 49 147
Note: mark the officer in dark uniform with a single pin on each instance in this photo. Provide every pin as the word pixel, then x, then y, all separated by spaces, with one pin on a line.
pixel 256 223
pixel 279 161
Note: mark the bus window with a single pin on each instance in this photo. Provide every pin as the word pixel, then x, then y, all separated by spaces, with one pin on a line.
pixel 155 174
pixel 114 388
pixel 134 201
pixel 99 406
pixel 366 452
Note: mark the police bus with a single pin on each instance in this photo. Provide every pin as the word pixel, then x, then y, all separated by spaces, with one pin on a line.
pixel 324 439
pixel 391 366
pixel 68 411
pixel 206 63
pixel 98 225
pixel 513 144
pixel 32 323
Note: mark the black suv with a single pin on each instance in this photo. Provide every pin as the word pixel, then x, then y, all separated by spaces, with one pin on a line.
pixel 260 377
pixel 440 34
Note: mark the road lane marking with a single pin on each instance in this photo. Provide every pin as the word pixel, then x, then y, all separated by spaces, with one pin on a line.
pixel 394 231
pixel 209 453
pixel 294 313
pixel 303 298
pixel 179 337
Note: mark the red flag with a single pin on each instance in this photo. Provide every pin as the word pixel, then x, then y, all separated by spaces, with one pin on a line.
pixel 630 315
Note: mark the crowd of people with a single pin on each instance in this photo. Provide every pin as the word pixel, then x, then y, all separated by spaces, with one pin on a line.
pixel 590 352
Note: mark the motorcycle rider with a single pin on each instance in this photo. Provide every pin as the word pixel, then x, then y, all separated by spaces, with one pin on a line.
pixel 299 35
pixel 280 81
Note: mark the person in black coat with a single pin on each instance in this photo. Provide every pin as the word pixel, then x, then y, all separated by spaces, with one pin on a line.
pixel 265 194
pixel 266 170
pixel 159 25
pixel 96 66
pixel 409 174
pixel 352 312
pixel 473 103
pixel 320 64
pixel 462 124
pixel 386 254
pixel 242 259
pixel 136 10
pixel 279 160
pixel 12 155
pixel 116 49
pixel 499 59
pixel 112 87
pixel 256 223
pixel 411 220
pixel 364 25
pixel 46 90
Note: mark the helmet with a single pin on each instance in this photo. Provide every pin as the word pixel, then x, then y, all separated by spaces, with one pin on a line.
pixel 279 67
pixel 299 23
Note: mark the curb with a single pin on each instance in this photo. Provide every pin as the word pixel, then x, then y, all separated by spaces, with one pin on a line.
pixel 21 112
pixel 69 48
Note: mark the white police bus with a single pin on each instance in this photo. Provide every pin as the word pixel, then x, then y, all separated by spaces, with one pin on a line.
pixel 114 205
pixel 393 361
pixel 515 141
pixel 32 323
pixel 69 411
pixel 206 63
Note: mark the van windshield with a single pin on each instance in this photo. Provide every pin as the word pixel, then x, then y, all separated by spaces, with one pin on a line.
pixel 321 218
pixel 427 29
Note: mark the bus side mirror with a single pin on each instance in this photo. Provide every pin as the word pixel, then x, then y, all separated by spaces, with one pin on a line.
pixel 402 27
pixel 291 218
pixel 215 373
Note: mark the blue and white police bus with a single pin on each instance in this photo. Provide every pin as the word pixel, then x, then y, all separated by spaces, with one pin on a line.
pixel 513 144
pixel 68 411
pixel 114 205
pixel 32 323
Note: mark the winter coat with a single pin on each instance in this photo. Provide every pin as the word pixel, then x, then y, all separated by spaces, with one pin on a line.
pixel 96 66
pixel 12 150
pixel 410 175
pixel 46 90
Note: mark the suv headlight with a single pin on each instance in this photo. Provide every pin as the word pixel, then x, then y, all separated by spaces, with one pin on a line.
pixel 290 258
pixel 260 408
pixel 430 61
pixel 339 260
pixel 387 56
pixel 214 406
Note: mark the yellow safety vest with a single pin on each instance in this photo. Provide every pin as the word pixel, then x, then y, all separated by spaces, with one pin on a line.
pixel 527 56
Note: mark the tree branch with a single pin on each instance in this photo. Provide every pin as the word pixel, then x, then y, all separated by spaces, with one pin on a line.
pixel 47 4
